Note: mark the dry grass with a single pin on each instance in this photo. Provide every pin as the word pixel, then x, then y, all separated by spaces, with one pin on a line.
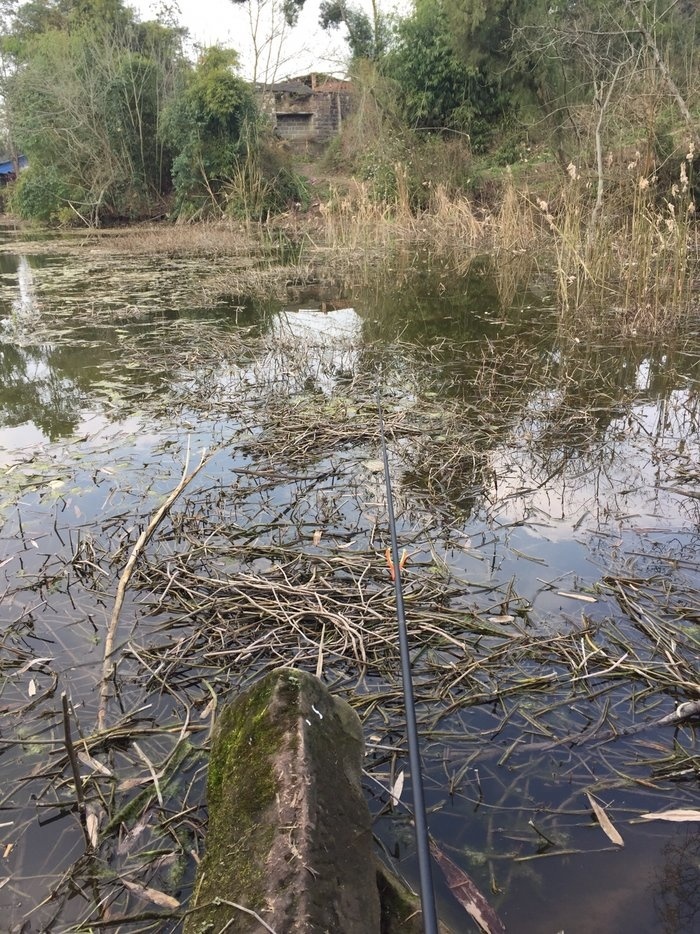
pixel 633 273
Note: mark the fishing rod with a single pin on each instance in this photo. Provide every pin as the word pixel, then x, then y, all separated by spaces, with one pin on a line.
pixel 427 893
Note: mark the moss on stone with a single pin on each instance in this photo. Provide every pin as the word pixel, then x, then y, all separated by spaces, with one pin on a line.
pixel 289 829
pixel 241 787
pixel 400 908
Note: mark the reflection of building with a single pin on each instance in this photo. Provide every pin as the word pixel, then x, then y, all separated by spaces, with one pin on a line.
pixel 9 168
pixel 309 109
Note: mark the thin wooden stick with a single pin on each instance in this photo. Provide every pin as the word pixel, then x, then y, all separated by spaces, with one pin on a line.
pixel 141 542
pixel 75 769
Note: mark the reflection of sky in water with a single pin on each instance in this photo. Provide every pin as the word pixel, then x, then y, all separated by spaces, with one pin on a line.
pixel 21 441
pixel 560 512
pixel 22 438
pixel 25 303
pixel 325 337
pixel 612 474
pixel 324 327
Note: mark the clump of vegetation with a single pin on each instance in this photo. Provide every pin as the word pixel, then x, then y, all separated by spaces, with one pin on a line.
pixel 84 105
pixel 118 125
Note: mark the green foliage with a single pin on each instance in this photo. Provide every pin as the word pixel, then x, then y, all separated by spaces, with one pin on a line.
pixel 437 89
pixel 289 189
pixel 264 183
pixel 41 194
pixel 84 103
pixel 210 125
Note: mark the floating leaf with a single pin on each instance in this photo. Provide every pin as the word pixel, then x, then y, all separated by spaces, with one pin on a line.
pixel 467 894
pixel 397 788
pixel 208 709
pixel 128 840
pixel 584 597
pixel 506 618
pixel 318 535
pixel 606 825
pixel 679 814
pixel 93 764
pixel 92 824
pixel 31 690
pixel 31 663
pixel 128 784
pixel 152 895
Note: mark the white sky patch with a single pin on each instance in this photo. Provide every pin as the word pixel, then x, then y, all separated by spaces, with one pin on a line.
pixel 306 48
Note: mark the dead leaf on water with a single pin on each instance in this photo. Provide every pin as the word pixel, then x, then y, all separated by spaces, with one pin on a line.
pixel 208 709
pixel 679 814
pixel 31 690
pixel 606 825
pixel 129 839
pixel 92 824
pixel 128 784
pixel 318 535
pixel 467 894
pixel 501 619
pixel 583 597
pixel 152 895
pixel 93 764
pixel 32 662
pixel 397 787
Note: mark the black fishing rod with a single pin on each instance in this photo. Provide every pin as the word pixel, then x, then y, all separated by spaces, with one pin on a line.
pixel 427 894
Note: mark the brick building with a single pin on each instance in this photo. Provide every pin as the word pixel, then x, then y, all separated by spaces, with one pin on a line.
pixel 309 109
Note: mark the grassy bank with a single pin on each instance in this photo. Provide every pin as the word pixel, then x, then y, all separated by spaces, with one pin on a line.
pixel 626 261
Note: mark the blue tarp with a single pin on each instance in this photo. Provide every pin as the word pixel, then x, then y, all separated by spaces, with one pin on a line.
pixel 8 167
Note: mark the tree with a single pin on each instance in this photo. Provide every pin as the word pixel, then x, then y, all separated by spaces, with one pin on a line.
pixel 209 126
pixel 368 37
pixel 84 102
pixel 437 88
pixel 270 22
pixel 607 56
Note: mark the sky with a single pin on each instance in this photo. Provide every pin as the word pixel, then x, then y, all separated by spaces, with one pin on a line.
pixel 306 48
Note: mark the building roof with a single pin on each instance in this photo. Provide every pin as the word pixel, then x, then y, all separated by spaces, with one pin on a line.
pixel 334 84
pixel 292 87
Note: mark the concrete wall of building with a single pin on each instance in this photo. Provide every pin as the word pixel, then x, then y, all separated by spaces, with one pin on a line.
pixel 307 110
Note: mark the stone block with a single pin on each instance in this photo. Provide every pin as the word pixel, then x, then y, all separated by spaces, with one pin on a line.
pixel 289 834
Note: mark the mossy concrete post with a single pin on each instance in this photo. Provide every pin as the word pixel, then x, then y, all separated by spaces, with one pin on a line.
pixel 289 832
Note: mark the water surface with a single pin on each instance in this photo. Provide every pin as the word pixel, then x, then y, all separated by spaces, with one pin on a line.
pixel 547 491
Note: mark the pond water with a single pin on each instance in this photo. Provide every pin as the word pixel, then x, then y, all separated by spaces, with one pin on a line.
pixel 547 493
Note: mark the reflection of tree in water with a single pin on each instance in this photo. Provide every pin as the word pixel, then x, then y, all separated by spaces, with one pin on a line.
pixel 677 896
pixel 541 411
pixel 34 390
